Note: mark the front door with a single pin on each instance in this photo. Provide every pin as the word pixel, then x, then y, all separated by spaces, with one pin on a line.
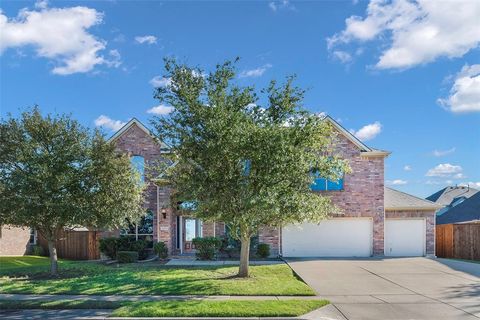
pixel 192 229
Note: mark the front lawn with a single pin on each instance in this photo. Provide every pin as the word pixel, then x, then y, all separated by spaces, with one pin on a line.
pixel 191 308
pixel 27 264
pixel 135 279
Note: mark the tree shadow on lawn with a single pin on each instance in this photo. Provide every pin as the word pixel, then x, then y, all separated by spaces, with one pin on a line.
pixel 165 280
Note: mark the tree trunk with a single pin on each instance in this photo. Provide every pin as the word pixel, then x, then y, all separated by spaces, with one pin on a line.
pixel 53 257
pixel 244 257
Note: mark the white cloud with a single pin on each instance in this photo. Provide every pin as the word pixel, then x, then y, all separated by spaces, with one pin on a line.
pixel 444 170
pixel 281 5
pixel 42 4
pixel 159 81
pixel 149 39
pixel 471 184
pixel 397 182
pixel 441 153
pixel 160 110
pixel 407 168
pixel 416 32
pixel 368 132
pixel 342 56
pixel 255 72
pixel 106 122
pixel 58 34
pixel 465 92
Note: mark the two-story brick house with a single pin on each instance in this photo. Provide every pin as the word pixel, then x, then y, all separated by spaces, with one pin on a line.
pixel 376 220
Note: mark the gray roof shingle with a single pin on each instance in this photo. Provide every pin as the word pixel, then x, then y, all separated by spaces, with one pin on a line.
pixel 397 200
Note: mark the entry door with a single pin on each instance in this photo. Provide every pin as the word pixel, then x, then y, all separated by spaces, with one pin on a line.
pixel 192 228
pixel 405 237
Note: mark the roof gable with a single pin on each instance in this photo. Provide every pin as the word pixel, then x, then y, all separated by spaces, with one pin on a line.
pixel 365 150
pixel 139 124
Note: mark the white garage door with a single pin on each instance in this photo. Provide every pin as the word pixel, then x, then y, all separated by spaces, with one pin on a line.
pixel 331 238
pixel 404 237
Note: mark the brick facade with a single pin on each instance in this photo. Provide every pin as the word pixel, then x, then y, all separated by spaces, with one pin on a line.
pixel 429 217
pixel 362 196
pixel 14 241
pixel 136 142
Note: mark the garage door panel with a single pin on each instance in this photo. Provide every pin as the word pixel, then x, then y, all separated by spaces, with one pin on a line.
pixel 330 238
pixel 404 237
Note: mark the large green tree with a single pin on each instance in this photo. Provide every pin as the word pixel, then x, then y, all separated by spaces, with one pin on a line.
pixel 245 159
pixel 56 174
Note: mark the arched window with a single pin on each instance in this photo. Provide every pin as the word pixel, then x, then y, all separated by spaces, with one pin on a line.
pixel 138 162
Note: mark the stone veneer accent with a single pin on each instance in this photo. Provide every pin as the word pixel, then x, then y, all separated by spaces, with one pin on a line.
pixel 363 194
pixel 429 223
pixel 14 241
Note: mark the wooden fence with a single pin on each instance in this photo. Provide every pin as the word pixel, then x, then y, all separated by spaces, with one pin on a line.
pixel 76 245
pixel 458 241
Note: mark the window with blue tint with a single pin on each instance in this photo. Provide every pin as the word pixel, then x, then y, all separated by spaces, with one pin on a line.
pixel 322 184
pixel 188 205
pixel 138 162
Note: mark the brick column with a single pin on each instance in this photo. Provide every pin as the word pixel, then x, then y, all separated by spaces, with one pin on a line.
pixel 270 236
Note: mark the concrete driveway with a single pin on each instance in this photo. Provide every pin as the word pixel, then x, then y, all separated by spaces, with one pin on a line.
pixel 400 288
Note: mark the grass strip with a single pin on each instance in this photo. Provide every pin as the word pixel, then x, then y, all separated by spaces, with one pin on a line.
pixel 212 308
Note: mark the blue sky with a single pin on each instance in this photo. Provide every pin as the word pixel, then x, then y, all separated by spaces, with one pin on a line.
pixel 404 76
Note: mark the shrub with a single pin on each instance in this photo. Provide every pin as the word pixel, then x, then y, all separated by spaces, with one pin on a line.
pixel 109 247
pixel 263 250
pixel 161 250
pixel 207 247
pixel 139 246
pixel 127 256
pixel 37 250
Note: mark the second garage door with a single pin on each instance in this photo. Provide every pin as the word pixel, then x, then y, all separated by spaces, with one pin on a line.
pixel 343 237
pixel 405 237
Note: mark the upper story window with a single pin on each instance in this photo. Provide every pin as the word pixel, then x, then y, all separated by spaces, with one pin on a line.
pixel 322 184
pixel 138 162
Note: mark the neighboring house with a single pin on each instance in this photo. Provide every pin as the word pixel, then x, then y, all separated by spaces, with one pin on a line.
pixel 459 204
pixel 16 241
pixel 466 210
pixel 376 220
pixel 452 195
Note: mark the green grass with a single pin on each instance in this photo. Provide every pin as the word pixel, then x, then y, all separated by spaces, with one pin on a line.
pixel 95 279
pixel 209 308
pixel 27 264
pixel 190 308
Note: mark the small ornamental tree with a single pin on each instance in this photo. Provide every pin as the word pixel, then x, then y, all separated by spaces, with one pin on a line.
pixel 240 162
pixel 56 174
